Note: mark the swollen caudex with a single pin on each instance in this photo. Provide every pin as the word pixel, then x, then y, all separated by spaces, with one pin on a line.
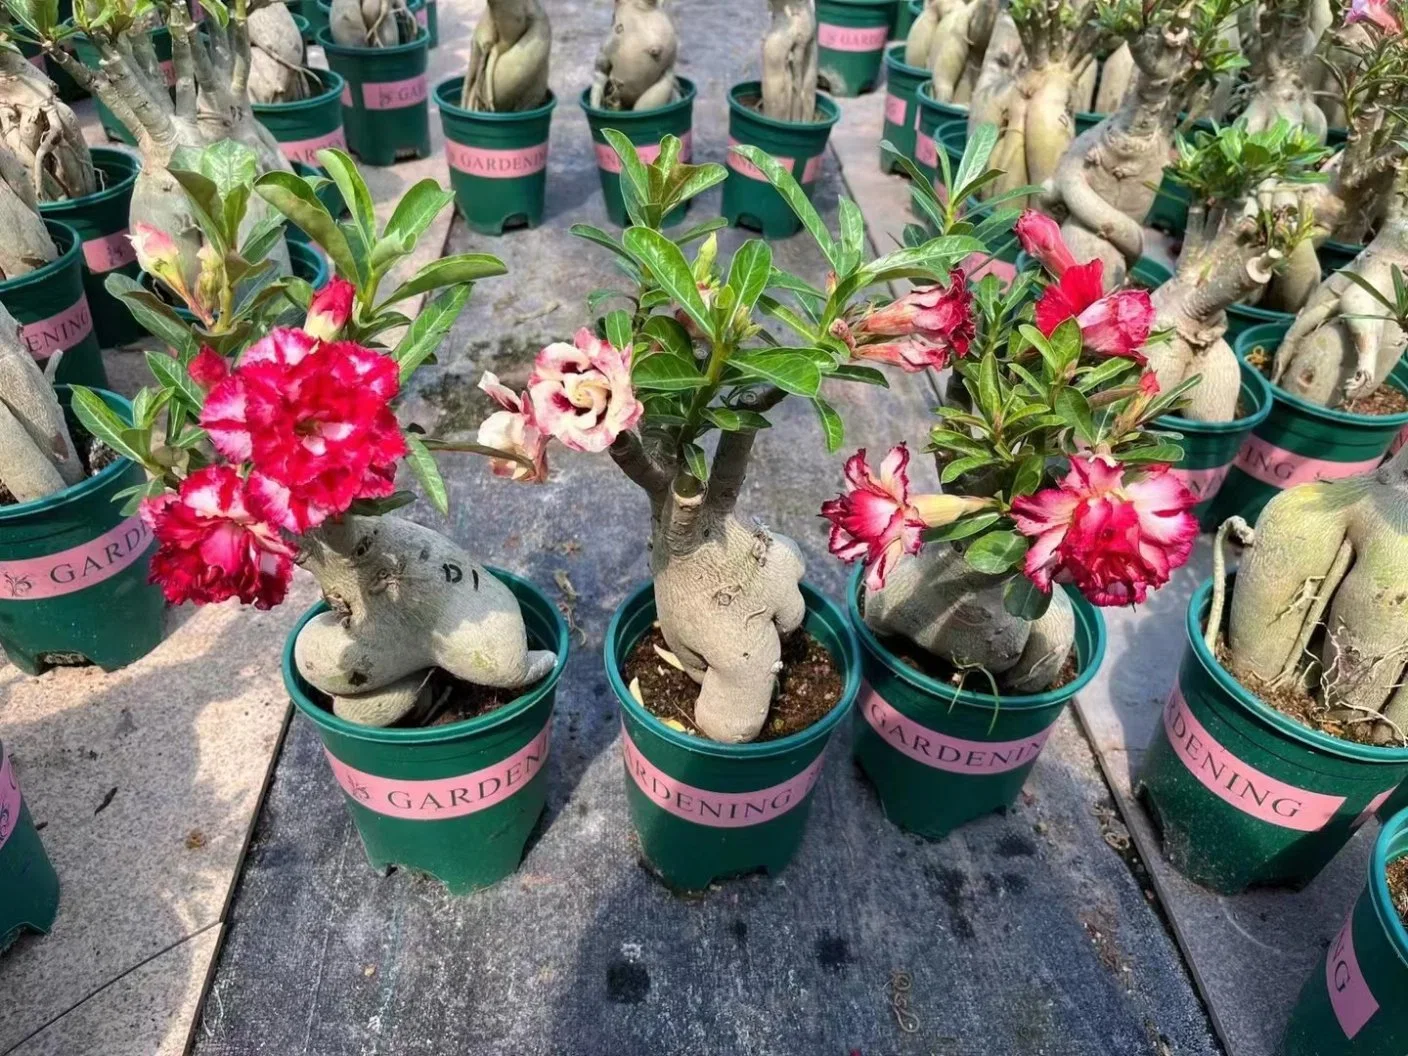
pixel 508 58
pixel 42 132
pixel 37 456
pixel 635 69
pixel 790 61
pixel 371 23
pixel 277 73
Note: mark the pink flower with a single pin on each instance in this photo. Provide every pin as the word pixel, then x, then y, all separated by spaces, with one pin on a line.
pixel 581 393
pixel 1375 11
pixel 315 421
pixel 330 309
pixel 159 256
pixel 208 368
pixel 926 327
pixel 513 430
pixel 877 521
pixel 1114 538
pixel 211 546
pixel 1115 324
pixel 1041 238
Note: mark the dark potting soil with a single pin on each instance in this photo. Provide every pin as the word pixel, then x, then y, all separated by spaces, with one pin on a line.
pixel 1382 401
pixel 1397 873
pixel 807 689
pixel 95 455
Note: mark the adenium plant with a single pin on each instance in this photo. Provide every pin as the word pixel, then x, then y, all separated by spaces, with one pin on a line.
pixel 635 69
pixel 271 439
pixel 508 58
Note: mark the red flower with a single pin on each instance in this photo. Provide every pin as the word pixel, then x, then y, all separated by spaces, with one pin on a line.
pixel 315 421
pixel 208 368
pixel 211 547
pixel 1375 11
pixel 1112 537
pixel 512 430
pixel 931 325
pixel 1041 238
pixel 1115 324
pixel 329 310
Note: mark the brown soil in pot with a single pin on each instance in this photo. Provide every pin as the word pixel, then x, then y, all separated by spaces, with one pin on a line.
pixel 807 689
pixel 1397 874
pixel 1384 401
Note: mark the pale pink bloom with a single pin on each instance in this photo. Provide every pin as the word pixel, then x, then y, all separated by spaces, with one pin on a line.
pixel 513 430
pixel 581 393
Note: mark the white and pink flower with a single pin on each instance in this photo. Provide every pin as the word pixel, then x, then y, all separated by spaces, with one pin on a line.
pixel 513 430
pixel 581 393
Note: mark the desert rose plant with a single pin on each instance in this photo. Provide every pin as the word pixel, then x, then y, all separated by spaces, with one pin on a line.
pixel 271 439
pixel 508 58
pixel 276 69
pixel 635 69
pixel 42 132
pixel 950 38
pixel 790 61
pixel 699 357
pixel 371 23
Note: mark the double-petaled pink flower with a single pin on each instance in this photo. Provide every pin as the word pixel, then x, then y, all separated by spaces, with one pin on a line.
pixel 925 328
pixel 1376 11
pixel 877 521
pixel 212 545
pixel 581 393
pixel 513 431
pixel 1114 538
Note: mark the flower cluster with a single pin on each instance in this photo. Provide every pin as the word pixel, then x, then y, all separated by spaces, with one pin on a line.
pixel 926 328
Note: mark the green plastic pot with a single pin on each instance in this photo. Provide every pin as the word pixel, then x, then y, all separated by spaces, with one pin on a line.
pixel 1169 213
pixel 1242 317
pixel 934 118
pixel 645 129
pixel 905 14
pixel 940 756
pixel 1399 375
pixel 1352 1003
pixel 100 219
pixel 902 83
pixel 88 54
pixel 1244 795
pixel 498 162
pixel 29 887
pixel 426 18
pixel 384 111
pixel 851 37
pixel 1300 441
pixel 1335 256
pixel 457 801
pixel 705 810
pixel 307 126
pixel 749 200
pixel 315 14
pixel 1210 447
pixel 53 312
pixel 73 572
pixel 1088 119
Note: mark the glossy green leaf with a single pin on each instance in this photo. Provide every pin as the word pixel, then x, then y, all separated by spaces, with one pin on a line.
pixel 1024 599
pixel 449 271
pixel 996 552
pixel 796 198
pixel 343 171
pixel 696 461
pixel 833 430
pixel 749 272
pixel 172 375
pixel 293 198
pixel 784 367
pixel 618 329
pixel 429 328
pixel 666 264
pixel 102 422
pixel 415 212
pixel 667 373
pixel 423 465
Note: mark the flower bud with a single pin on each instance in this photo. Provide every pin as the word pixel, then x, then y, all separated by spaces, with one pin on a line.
pixel 329 310
pixel 1041 238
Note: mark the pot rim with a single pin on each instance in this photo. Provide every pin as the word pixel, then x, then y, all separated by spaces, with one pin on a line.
pixel 66 257
pixel 926 99
pixel 105 477
pixel 330 79
pixel 857 3
pixel 429 734
pixel 443 90
pixel 118 159
pixel 688 92
pixel 986 701
pixel 1254 384
pixel 1379 861
pixel 1259 709
pixel 897 47
pixel 420 42
pixel 753 750
pixel 824 103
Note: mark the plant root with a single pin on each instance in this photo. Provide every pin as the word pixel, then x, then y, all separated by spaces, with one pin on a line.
pixel 277 73
pixel 508 58
pixel 371 23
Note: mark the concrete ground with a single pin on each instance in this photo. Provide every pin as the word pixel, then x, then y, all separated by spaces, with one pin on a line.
pixel 1052 928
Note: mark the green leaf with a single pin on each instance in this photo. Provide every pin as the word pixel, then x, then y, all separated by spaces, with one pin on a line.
pixel 996 552
pixel 960 466
pixel 102 422
pixel 666 264
pixel 263 237
pixel 601 238
pixel 697 463
pixel 989 393
pixel 423 465
pixel 203 197
pixel 792 193
pixel 415 212
pixel 293 198
pixel 863 374
pixel 698 231
pixel 1065 345
pixel 618 329
pixel 726 418
pixel 784 367
pixel 749 272
pixel 633 173
pixel 229 165
pixel 131 498
pixel 379 507
pixel 667 332
pixel 159 318
pixel 1028 477
pixel 343 171
pixel 666 373
pixel 852 235
pixel 449 271
pixel 1024 599
pixel 832 428
pixel 1163 451
pixel 962 528
pixel 172 375
pixel 1073 407
pixel 976 153
pixel 429 328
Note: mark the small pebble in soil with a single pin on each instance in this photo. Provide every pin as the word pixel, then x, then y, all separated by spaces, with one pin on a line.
pixel 1398 886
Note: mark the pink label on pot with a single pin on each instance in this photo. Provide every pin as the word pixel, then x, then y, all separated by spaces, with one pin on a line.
pixel 1350 997
pixel 346 95
pixel 9 799
pixel 394 95
pixel 79 567
pixel 423 18
pixel 109 252
pixel 443 797
pixel 741 165
pixel 498 164
pixel 1239 783
pixel 59 332
pixel 37 61
pixel 306 150
pixel 1374 804
pixel 943 752
pixel 926 151
pixel 1203 482
pixel 852 38
pixel 719 810
pixel 1285 469
pixel 607 160
pixel 1399 441
pixel 894 109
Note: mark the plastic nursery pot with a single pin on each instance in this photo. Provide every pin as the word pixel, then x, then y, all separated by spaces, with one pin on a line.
pixel 934 117
pixel 1335 256
pixel 88 54
pixel 29 887
pixel 100 219
pixel 902 82
pixel 73 572
pixel 1088 119
pixel 457 801
pixel 384 112
pixel 498 162
pixel 1149 274
pixel 705 810
pixel 940 756
pixel 315 14
pixel 1244 795
pixel 53 312
pixel 905 13
pixel 749 200
pixel 1210 447
pixel 645 129
pixel 1352 1003
pixel 1242 317
pixel 1399 376
pixel 426 18
pixel 1300 441
pixel 306 126
pixel 1169 213
pixel 851 37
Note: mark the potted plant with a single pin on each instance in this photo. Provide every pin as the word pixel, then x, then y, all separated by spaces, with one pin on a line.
pixel 851 37
pixel 1286 726
pixel 634 90
pixel 430 677
pixel 784 116
pixel 902 83
pixel 301 107
pixel 497 116
pixel 976 608
pixel 29 886
pixel 380 51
